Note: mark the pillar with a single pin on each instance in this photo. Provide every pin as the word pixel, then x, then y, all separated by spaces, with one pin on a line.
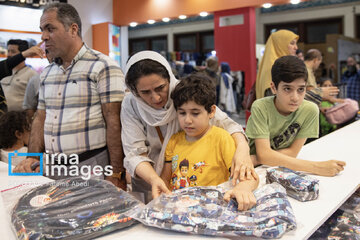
pixel 235 41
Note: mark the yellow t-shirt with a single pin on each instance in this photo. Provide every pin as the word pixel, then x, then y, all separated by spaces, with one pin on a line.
pixel 205 162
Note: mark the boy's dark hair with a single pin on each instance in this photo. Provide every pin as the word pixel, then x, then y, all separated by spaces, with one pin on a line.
pixel 288 69
pixel 66 14
pixel 298 51
pixel 22 44
pixel 184 163
pixel 11 122
pixel 144 68
pixel 312 54
pixel 196 87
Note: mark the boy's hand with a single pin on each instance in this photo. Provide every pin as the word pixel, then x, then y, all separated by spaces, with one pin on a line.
pixel 158 186
pixel 244 198
pixel 242 168
pixel 329 168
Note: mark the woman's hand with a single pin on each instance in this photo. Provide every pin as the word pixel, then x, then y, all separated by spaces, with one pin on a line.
pixel 158 187
pixel 242 167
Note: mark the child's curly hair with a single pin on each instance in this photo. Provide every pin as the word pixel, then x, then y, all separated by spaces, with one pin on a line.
pixel 196 87
pixel 11 122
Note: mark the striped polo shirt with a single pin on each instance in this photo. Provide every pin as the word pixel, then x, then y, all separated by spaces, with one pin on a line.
pixel 72 99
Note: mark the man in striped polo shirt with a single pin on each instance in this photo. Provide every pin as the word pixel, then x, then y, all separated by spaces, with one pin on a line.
pixel 79 100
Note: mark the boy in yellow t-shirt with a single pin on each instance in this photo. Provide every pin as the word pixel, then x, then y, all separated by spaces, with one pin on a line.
pixel 201 154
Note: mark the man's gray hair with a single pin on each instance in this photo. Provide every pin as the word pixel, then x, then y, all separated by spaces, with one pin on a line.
pixel 66 14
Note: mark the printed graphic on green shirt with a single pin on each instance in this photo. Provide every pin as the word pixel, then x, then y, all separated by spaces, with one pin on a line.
pixel 288 135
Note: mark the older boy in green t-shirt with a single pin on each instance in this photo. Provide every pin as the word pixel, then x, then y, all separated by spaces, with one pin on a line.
pixel 279 125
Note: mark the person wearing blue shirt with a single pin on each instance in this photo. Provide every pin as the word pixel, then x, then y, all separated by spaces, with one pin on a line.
pixel 352 79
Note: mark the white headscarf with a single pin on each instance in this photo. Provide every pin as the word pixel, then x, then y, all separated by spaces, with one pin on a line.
pixel 157 117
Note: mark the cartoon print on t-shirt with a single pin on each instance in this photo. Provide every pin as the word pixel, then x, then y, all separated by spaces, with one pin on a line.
pixel 193 182
pixel 199 166
pixel 173 181
pixel 183 180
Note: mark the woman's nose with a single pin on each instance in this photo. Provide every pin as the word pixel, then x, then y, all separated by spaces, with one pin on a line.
pixel 156 97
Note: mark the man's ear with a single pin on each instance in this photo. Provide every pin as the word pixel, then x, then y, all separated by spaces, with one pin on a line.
pixel 213 110
pixel 74 28
pixel 273 88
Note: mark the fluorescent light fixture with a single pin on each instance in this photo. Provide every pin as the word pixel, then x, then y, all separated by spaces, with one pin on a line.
pixel 295 1
pixel 203 14
pixel 151 21
pixel 166 19
pixel 133 24
pixel 267 5
pixel 182 16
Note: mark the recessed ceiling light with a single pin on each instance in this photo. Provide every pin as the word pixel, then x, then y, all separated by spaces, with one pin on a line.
pixel 182 16
pixel 133 24
pixel 267 5
pixel 204 14
pixel 151 21
pixel 166 19
pixel 295 1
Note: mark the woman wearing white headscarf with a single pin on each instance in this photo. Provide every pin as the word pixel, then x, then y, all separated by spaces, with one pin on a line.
pixel 148 119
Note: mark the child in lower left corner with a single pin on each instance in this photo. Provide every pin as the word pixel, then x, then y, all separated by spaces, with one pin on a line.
pixel 14 136
pixel 201 154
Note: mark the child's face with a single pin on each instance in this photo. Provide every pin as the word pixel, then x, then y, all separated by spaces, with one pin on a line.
pixel 289 96
pixel 327 83
pixel 194 119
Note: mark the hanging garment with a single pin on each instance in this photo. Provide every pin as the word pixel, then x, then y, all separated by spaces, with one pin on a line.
pixel 226 93
pixel 226 89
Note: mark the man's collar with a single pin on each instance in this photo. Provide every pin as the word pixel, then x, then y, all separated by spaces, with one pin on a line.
pixel 78 56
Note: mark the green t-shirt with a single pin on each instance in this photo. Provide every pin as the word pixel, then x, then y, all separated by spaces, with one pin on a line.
pixel 266 122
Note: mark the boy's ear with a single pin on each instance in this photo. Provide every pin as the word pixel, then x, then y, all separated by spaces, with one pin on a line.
pixel 213 110
pixel 18 134
pixel 273 88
